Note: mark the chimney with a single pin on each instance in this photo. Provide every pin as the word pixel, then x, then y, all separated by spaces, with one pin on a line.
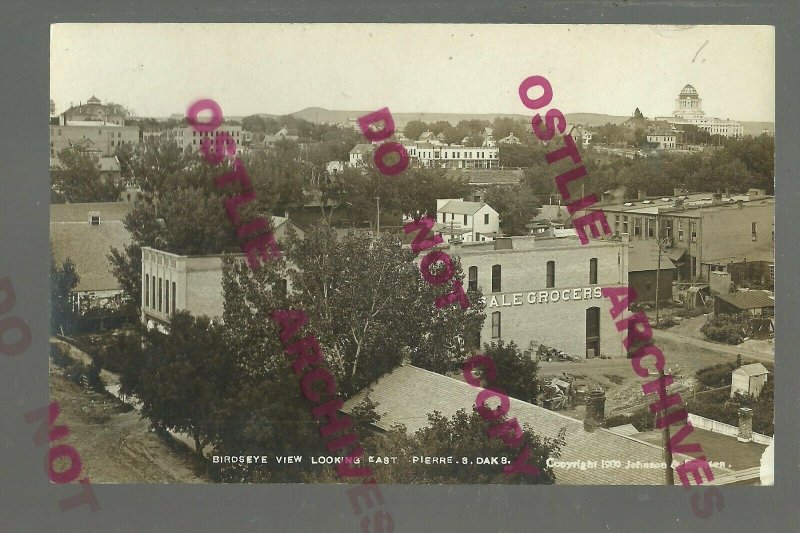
pixel 740 204
pixel 503 243
pixel 595 410
pixel 716 198
pixel 641 195
pixel 745 425
pixel 679 203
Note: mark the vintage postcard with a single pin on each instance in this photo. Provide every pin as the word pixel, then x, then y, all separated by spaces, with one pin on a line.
pixel 413 254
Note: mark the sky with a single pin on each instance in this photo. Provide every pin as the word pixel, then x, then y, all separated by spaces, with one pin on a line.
pixel 160 69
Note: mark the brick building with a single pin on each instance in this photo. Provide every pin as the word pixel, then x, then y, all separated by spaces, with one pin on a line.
pixel 172 282
pixel 547 291
pixel 706 232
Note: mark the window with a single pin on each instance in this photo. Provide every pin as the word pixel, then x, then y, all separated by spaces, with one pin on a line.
pixel 551 274
pixel 651 228
pixel 694 266
pixel 153 294
pixel 496 325
pixel 625 224
pixel 95 220
pixel 693 229
pixel 486 218
pixel 465 220
pixel 473 277
pixel 166 297
pixel 593 271
pixel 668 224
pixel 147 290
pixel 753 229
pixel 173 297
pixel 637 226
pixel 496 278
pixel 680 230
pixel 160 283
pixel 443 217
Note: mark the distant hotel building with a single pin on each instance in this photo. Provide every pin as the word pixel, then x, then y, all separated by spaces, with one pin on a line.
pixel 688 110
pixel 187 136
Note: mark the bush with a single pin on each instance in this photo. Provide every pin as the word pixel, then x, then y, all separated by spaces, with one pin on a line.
pixel 689 313
pixel 642 419
pixel 729 329
pixel 666 322
pixel 715 376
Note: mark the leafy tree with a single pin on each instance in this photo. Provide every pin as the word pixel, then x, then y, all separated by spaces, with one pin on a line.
pixel 415 128
pixel 77 179
pixel 182 376
pixel 517 372
pixel 463 435
pixel 516 205
pixel 63 279
pixel 367 305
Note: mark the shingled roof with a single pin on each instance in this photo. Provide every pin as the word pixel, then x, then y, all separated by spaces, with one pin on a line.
pixel 408 393
pixel 72 236
pixel 748 299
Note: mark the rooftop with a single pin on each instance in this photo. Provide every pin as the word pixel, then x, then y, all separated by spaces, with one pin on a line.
pixel 80 212
pixel 748 299
pixel 693 203
pixel 716 447
pixel 754 369
pixel 460 207
pixel 408 394
pixel 88 247
pixel 643 256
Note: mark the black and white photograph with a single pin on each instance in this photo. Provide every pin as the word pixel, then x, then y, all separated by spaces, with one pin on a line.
pixel 413 253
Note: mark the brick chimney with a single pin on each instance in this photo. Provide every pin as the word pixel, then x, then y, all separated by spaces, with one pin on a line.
pixel 595 410
pixel 503 243
pixel 745 425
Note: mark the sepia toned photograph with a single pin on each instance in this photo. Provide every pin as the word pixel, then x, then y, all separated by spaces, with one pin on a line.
pixel 413 253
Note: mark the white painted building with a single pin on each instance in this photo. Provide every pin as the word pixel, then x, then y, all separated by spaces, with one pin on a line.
pixel 689 110
pixel 188 136
pixel 429 155
pixel 664 140
pixel 470 221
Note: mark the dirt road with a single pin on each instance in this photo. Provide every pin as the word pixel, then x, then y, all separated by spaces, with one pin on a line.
pixel 116 446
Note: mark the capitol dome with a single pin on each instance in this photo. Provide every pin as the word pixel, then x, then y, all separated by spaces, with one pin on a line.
pixel 688 92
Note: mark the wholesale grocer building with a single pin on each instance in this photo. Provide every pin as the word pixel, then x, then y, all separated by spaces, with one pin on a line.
pixel 547 291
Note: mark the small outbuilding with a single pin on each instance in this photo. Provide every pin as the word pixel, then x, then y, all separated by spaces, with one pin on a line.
pixel 749 379
pixel 756 303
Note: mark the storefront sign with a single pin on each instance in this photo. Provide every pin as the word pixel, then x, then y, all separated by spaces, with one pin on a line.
pixel 542 297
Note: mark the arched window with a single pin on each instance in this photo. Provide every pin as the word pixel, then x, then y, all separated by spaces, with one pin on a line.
pixel 496 278
pixel 551 274
pixel 593 271
pixel 473 278
pixel 496 325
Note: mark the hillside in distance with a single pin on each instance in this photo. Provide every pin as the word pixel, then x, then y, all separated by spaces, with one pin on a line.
pixel 321 115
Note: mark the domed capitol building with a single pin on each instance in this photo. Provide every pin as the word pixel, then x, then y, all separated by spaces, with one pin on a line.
pixel 689 110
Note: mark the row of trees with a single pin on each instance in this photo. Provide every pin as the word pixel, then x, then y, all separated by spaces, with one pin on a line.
pixel 740 164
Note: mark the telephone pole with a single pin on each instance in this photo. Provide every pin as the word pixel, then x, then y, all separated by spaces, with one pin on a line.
pixel 378 226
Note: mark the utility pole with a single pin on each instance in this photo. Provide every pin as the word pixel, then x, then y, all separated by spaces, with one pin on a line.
pixel 665 436
pixel 378 230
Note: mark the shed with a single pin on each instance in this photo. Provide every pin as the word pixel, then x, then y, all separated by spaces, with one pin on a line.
pixel 749 379
pixel 756 303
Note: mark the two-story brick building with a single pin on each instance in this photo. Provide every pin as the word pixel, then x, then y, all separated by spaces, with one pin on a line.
pixel 705 232
pixel 172 282
pixel 547 290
